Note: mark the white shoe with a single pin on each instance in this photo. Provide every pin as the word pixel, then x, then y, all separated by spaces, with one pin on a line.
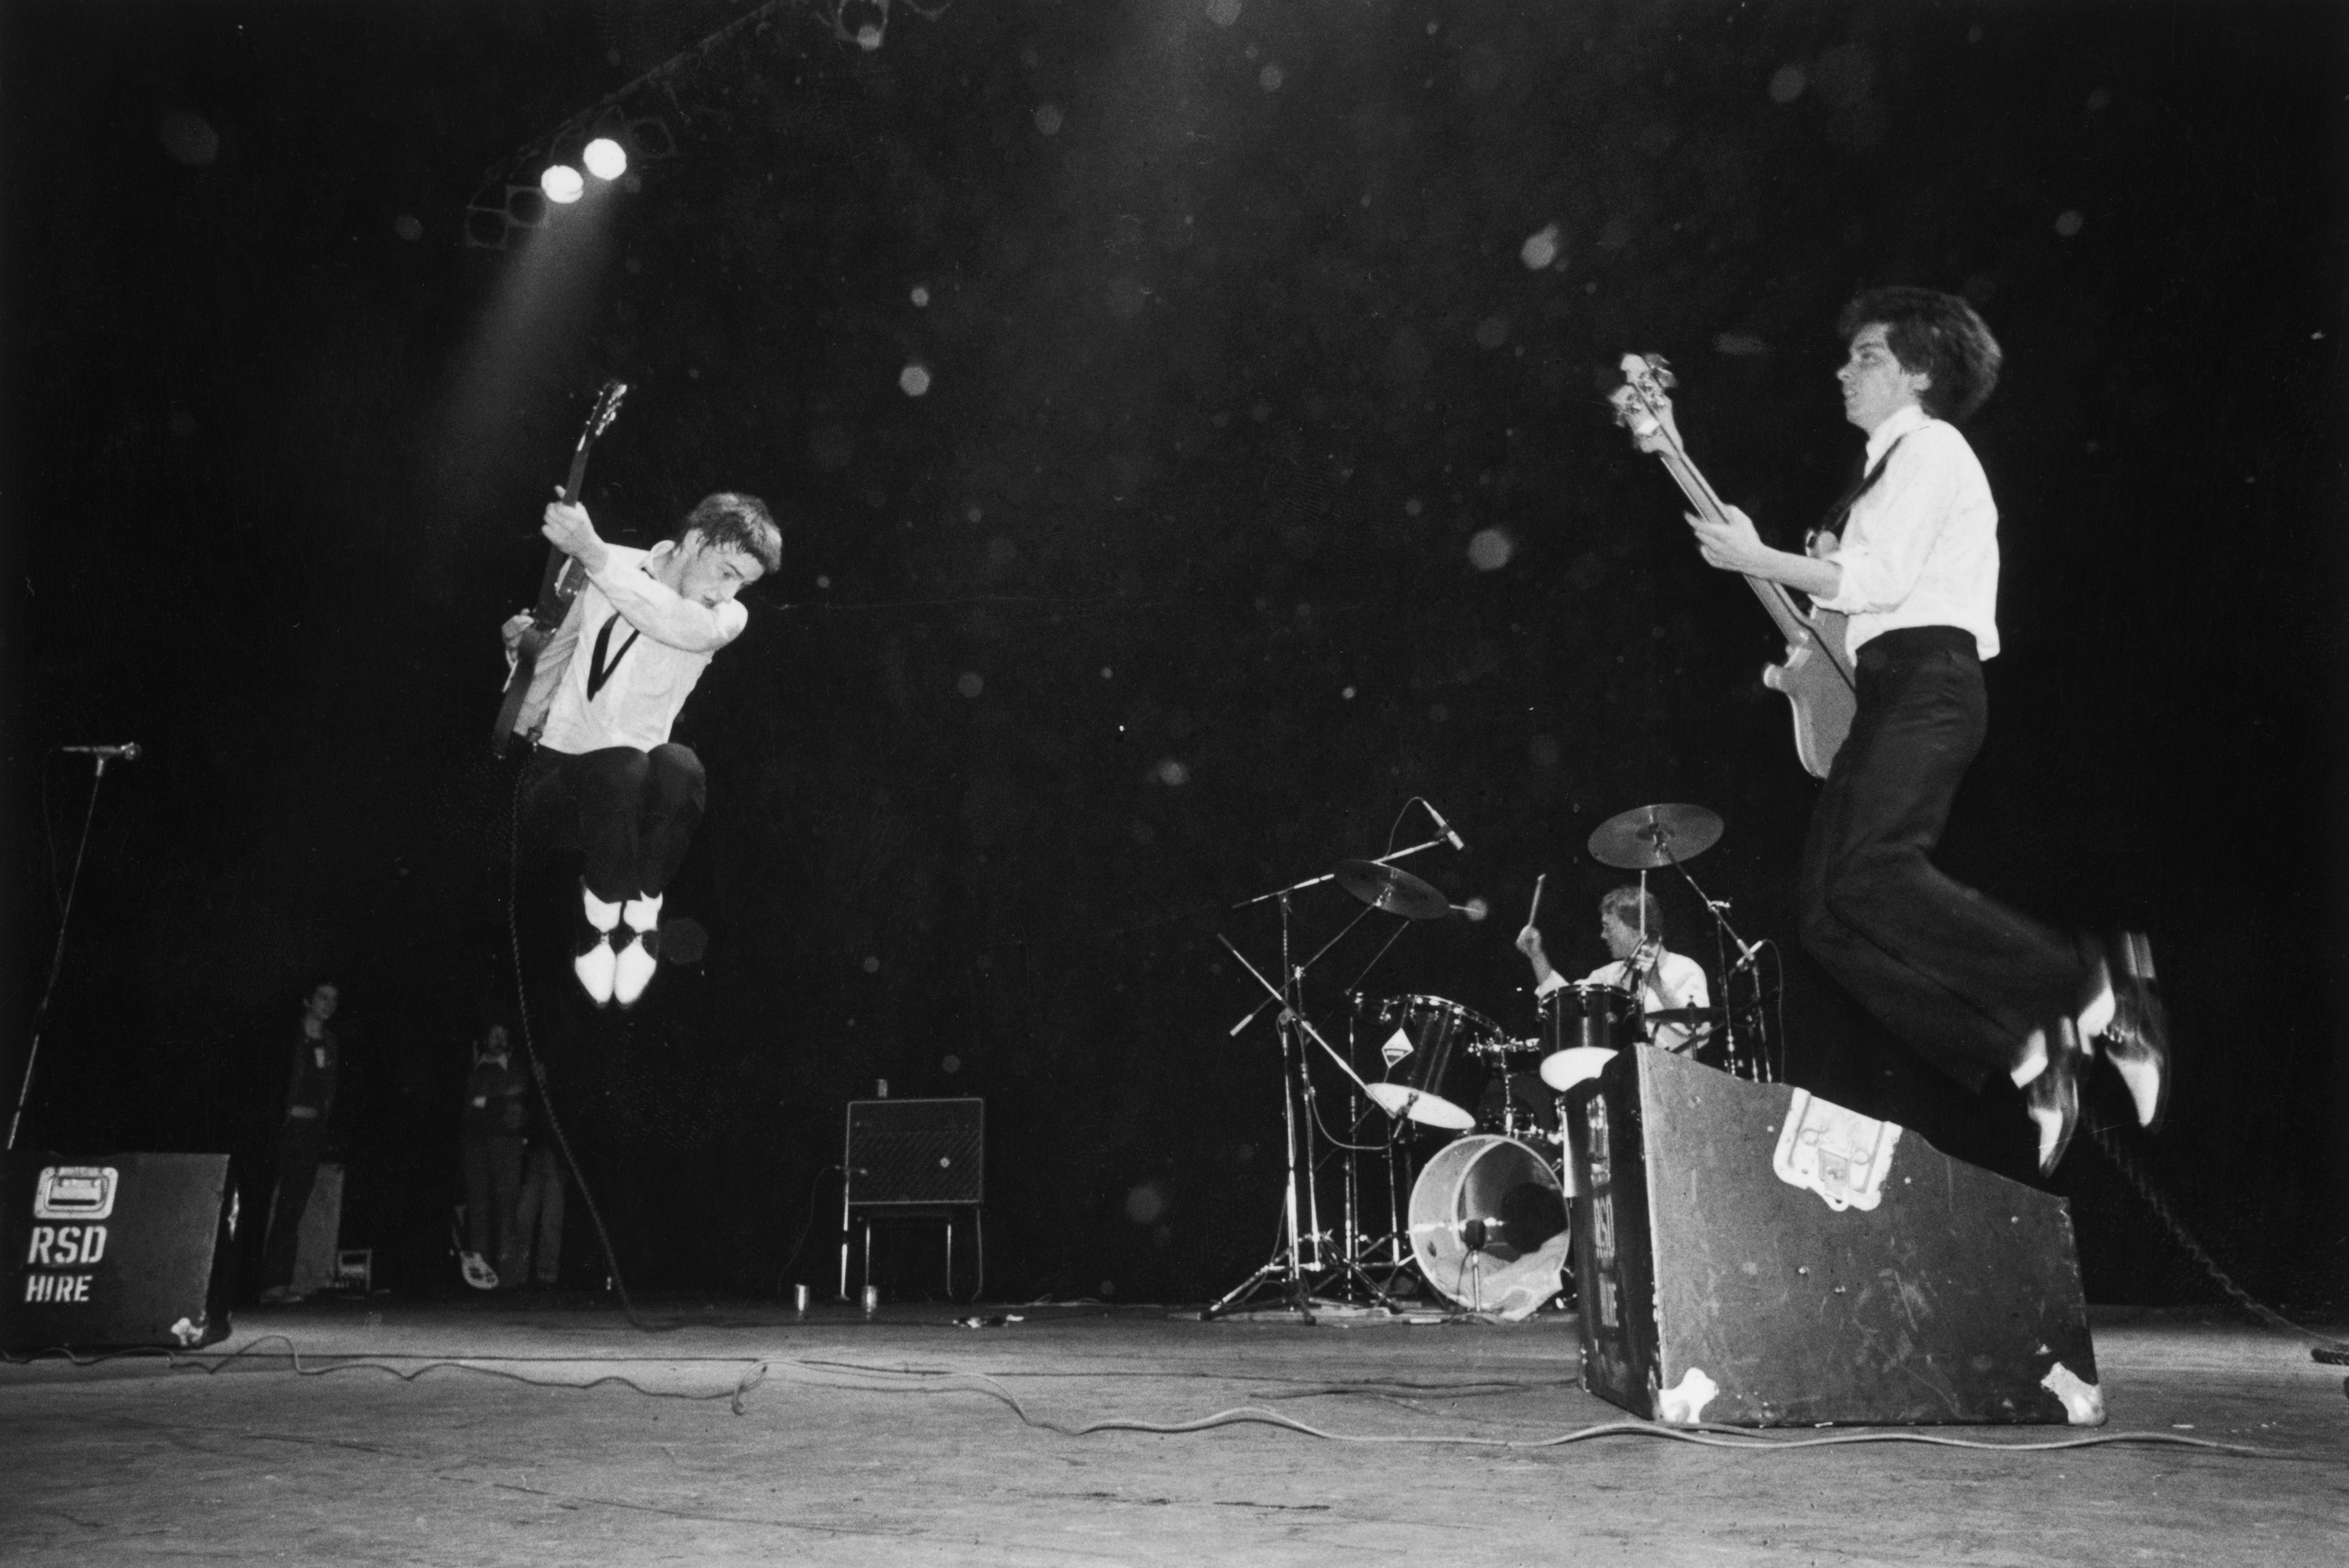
pixel 478 1271
pixel 595 969
pixel 634 969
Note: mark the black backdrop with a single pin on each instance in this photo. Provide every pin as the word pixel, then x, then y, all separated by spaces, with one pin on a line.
pixel 1262 483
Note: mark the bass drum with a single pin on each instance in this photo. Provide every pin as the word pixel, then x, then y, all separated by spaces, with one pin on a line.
pixel 1488 1226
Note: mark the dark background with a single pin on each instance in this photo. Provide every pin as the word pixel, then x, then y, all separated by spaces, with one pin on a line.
pixel 1164 595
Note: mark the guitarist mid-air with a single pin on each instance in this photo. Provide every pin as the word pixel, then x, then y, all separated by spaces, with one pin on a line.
pixel 1910 566
pixel 605 782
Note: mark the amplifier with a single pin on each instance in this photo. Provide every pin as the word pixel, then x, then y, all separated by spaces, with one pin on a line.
pixel 1749 1254
pixel 905 1153
pixel 114 1249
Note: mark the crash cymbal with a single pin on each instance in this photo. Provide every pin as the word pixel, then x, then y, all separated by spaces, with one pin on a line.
pixel 1651 836
pixel 1395 892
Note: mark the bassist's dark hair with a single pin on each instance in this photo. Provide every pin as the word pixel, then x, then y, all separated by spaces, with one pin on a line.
pixel 731 520
pixel 1936 334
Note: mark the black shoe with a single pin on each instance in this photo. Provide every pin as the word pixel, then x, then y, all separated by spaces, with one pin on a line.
pixel 2053 1099
pixel 2137 1041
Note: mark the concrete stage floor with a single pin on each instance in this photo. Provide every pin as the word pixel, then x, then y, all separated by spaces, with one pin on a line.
pixel 878 1442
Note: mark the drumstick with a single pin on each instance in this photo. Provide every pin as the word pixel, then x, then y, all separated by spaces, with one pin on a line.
pixel 1534 912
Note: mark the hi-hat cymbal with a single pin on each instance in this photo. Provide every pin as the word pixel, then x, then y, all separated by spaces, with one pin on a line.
pixel 1395 892
pixel 1651 836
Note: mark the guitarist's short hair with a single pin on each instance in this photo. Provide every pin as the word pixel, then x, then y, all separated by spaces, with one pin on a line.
pixel 732 521
pixel 1623 903
pixel 1937 335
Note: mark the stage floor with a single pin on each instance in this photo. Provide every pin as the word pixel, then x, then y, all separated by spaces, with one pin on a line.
pixel 880 1442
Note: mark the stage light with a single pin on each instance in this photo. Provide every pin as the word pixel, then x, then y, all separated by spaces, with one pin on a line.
pixel 562 184
pixel 605 159
pixel 864 23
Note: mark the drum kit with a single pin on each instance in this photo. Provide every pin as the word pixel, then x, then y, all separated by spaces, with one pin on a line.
pixel 1487 1225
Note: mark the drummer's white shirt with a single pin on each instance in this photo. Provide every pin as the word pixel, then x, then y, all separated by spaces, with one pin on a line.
pixel 1678 982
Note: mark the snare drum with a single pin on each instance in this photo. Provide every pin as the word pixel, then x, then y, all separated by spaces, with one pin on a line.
pixel 1434 1070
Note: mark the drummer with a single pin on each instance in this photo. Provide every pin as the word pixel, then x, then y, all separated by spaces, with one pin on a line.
pixel 1631 923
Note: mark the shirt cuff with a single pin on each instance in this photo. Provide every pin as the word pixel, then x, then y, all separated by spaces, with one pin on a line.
pixel 1556 981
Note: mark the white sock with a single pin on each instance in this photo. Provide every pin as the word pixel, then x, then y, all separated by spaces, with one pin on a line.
pixel 601 916
pixel 643 913
pixel 2098 1015
pixel 2034 1059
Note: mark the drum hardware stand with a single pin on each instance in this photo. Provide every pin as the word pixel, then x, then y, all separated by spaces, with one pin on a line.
pixel 1289 1263
pixel 1724 937
pixel 1286 1265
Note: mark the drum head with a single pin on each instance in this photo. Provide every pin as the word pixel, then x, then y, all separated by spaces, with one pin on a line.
pixel 1488 1226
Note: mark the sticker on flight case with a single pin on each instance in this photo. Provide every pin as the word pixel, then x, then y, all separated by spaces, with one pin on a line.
pixel 1839 1154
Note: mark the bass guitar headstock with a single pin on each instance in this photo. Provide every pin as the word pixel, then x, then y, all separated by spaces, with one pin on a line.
pixel 1643 404
pixel 607 410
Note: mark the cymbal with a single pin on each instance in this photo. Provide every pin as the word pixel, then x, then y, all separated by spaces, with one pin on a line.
pixel 1646 837
pixel 1395 892
pixel 1684 1014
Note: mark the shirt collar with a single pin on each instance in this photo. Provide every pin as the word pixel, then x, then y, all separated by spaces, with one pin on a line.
pixel 1912 418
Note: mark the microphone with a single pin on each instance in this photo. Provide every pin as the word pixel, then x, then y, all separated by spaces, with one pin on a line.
pixel 1440 825
pixel 1747 952
pixel 126 752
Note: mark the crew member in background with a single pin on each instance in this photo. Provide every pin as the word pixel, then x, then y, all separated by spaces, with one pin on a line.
pixel 1632 924
pixel 538 1217
pixel 496 1114
pixel 606 780
pixel 302 1144
pixel 1973 987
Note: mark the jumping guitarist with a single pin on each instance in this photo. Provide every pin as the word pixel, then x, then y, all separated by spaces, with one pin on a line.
pixel 607 782
pixel 1972 986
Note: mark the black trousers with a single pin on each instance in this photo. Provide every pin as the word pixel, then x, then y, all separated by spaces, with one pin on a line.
pixel 1960 978
pixel 299 1149
pixel 629 814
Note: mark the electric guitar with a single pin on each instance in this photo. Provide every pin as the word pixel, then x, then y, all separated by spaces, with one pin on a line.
pixel 560 583
pixel 1816 676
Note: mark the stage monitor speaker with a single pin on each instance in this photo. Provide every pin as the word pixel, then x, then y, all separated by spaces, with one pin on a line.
pixel 112 1251
pixel 1751 1255
pixel 916 1152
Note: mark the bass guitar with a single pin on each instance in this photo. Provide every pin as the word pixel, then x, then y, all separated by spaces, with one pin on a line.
pixel 1816 677
pixel 559 585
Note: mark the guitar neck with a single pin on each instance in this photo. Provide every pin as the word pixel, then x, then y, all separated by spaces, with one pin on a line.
pixel 1793 624
pixel 560 582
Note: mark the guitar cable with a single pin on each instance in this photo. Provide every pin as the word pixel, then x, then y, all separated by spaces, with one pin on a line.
pixel 538 1067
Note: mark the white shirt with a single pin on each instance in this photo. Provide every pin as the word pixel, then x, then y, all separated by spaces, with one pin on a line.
pixel 1678 982
pixel 645 688
pixel 1920 547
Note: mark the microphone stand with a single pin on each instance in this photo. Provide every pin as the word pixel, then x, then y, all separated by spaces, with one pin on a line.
pixel 1723 935
pixel 58 958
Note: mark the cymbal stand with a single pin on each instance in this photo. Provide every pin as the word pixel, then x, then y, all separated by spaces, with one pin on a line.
pixel 1286 1268
pixel 1724 940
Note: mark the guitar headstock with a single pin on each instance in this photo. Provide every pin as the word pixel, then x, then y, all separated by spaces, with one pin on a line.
pixel 607 410
pixel 1643 404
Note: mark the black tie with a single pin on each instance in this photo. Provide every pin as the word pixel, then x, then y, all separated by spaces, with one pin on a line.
pixel 598 671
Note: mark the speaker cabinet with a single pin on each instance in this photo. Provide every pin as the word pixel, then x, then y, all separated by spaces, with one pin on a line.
pixel 1751 1255
pixel 916 1152
pixel 116 1249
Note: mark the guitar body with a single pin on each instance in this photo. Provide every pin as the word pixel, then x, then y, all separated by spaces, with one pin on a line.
pixel 557 588
pixel 555 591
pixel 1822 699
pixel 1816 678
